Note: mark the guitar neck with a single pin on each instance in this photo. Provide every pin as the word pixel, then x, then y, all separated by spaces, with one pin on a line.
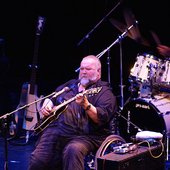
pixel 88 91
pixel 34 65
pixel 40 26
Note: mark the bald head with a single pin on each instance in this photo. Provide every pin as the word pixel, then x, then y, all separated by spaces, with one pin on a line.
pixel 90 69
pixel 93 60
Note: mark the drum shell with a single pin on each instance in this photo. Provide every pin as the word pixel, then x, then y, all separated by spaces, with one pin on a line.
pixel 163 75
pixel 145 68
pixel 145 114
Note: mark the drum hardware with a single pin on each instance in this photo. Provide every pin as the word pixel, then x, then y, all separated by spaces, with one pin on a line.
pixel 143 74
pixel 134 89
pixel 167 112
pixel 167 145
pixel 87 36
pixel 129 122
pixel 156 98
pixel 150 115
pixel 145 91
pixel 144 68
pixel 134 34
pixel 162 88
pixel 163 76
pixel 119 40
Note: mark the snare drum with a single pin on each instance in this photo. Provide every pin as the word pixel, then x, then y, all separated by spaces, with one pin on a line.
pixel 145 114
pixel 144 68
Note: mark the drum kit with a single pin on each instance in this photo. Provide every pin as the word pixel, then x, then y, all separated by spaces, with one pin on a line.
pixel 148 107
pixel 150 74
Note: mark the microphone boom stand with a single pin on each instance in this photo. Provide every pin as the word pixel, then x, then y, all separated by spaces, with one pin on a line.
pixel 88 34
pixel 119 39
pixel 108 67
pixel 5 118
pixel 27 105
pixel 121 77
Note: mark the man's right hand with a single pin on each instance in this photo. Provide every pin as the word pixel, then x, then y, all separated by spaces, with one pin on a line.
pixel 47 107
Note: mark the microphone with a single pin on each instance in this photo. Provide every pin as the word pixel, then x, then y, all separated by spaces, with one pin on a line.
pixel 78 69
pixel 136 22
pixel 65 89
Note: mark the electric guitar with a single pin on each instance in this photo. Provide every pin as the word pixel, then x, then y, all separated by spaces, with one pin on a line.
pixel 30 114
pixel 59 109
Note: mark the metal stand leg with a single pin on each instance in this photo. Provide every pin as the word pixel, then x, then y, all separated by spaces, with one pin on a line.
pixel 27 136
pixel 167 147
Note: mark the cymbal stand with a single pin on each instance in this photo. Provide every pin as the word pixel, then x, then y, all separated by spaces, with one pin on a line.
pixel 115 42
pixel 119 40
pixel 167 146
pixel 108 67
pixel 91 31
pixel 121 77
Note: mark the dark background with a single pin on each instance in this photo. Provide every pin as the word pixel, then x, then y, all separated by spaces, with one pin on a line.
pixel 60 53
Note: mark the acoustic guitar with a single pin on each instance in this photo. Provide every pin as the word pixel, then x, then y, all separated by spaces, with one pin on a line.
pixel 28 117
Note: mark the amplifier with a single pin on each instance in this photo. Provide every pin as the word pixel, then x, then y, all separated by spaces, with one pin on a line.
pixel 143 158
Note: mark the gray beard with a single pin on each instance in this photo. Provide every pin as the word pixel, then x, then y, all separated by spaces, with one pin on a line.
pixel 84 82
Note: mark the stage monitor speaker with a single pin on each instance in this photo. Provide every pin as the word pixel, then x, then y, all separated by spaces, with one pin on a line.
pixel 143 158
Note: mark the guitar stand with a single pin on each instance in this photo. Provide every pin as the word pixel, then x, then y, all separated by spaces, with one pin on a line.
pixel 25 138
pixel 28 135
pixel 5 130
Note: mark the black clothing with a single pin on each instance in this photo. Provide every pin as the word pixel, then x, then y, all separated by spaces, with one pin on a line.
pixel 73 134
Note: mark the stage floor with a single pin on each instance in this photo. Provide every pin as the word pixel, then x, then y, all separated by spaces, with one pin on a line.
pixel 16 154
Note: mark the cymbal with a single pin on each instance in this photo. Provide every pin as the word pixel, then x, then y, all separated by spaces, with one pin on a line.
pixel 155 37
pixel 133 33
pixel 120 26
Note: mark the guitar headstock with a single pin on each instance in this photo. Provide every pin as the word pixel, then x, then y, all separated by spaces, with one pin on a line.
pixel 92 90
pixel 40 25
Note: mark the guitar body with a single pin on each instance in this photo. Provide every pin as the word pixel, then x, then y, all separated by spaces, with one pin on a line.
pixel 32 115
pixel 28 117
pixel 45 121
pixel 19 115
